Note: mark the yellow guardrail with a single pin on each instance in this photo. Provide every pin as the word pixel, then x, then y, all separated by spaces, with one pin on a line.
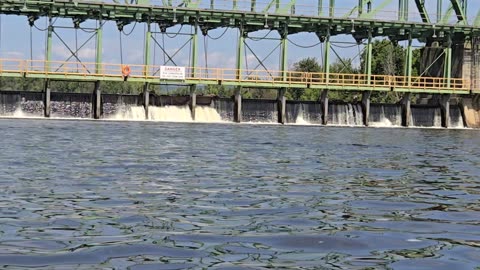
pixel 292 78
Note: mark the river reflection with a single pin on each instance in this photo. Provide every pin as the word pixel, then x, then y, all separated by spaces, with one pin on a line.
pixel 139 195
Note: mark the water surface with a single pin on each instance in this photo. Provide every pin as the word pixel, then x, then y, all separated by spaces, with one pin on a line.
pixel 143 195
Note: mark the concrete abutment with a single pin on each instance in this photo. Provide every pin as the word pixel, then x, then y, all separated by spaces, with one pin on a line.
pixel 471 111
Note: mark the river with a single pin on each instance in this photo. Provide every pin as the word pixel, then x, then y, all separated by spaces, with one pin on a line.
pixel 149 195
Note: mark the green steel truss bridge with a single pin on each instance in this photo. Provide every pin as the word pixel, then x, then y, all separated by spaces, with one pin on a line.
pixel 443 25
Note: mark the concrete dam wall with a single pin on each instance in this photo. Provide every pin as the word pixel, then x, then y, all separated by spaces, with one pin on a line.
pixel 215 109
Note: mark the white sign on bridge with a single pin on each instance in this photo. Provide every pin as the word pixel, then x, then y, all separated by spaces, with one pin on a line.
pixel 172 73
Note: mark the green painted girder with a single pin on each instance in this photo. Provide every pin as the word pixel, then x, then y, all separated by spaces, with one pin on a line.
pixel 422 10
pixel 371 14
pixel 476 22
pixel 459 10
pixel 259 84
pixel 287 7
pixel 252 20
pixel 447 15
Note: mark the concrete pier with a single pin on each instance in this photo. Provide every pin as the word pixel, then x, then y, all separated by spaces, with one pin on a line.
pixel 97 101
pixel 471 111
pixel 324 102
pixel 237 108
pixel 46 99
pixel 406 110
pixel 193 101
pixel 146 100
pixel 444 102
pixel 282 105
pixel 366 107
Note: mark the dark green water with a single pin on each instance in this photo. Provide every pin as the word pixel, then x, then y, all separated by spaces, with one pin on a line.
pixel 137 195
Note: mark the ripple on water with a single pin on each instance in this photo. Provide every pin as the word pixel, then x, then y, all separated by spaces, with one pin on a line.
pixel 121 195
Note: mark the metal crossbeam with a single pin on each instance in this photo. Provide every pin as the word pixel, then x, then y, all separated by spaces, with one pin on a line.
pixel 459 10
pixel 422 10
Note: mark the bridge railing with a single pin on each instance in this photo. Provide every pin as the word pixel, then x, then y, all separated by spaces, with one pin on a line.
pixel 107 71
pixel 431 83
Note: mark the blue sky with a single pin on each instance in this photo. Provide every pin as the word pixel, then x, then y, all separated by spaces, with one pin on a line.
pixel 15 38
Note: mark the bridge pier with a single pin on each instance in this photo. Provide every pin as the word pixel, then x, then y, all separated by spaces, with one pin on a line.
pixel 193 101
pixel 46 99
pixel 146 100
pixel 97 101
pixel 471 111
pixel 237 108
pixel 406 110
pixel 281 106
pixel 366 107
pixel 324 102
pixel 444 102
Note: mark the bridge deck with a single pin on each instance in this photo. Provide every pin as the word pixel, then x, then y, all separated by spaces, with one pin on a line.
pixel 76 71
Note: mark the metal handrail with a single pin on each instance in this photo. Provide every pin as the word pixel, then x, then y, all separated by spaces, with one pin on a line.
pixel 293 78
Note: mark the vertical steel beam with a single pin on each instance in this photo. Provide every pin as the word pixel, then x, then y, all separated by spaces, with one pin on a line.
pixel 361 4
pixel 234 4
pixel 331 8
pixel 448 61
pixel 401 10
pixel 320 7
pixel 369 57
pixel 212 4
pixel 409 59
pixel 326 56
pixel 439 11
pixel 253 5
pixel 277 6
pixel 405 10
pixel 240 52
pixel 48 49
pixel 283 57
pixel 99 47
pixel 146 60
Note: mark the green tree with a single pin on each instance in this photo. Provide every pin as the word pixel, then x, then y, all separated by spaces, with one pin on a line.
pixel 387 58
pixel 309 64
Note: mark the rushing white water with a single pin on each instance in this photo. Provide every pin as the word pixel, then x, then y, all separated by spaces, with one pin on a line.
pixel 301 121
pixel 129 113
pixel 346 115
pixel 20 113
pixel 456 118
pixel 207 114
pixel 168 114
pixel 384 122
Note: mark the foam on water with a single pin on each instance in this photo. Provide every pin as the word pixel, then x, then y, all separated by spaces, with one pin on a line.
pixel 168 114
pixel 129 113
pixel 301 121
pixel 384 122
pixel 207 114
